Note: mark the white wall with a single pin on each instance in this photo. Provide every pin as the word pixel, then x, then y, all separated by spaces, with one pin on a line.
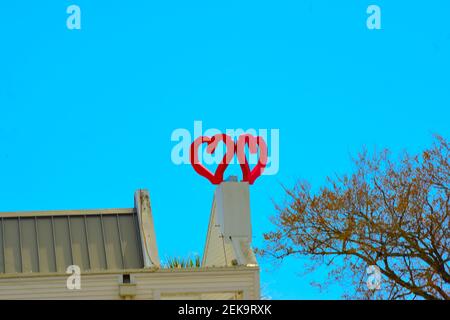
pixel 203 283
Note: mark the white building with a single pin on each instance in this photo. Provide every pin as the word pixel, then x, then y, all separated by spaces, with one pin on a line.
pixel 117 254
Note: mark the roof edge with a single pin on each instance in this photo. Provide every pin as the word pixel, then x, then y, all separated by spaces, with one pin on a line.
pixel 82 212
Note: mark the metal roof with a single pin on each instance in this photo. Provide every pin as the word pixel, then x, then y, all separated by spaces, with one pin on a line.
pixel 51 241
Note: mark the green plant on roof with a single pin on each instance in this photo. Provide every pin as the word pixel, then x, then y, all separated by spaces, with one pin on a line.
pixel 182 263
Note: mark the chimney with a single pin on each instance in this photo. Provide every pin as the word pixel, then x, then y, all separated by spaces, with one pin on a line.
pixel 233 209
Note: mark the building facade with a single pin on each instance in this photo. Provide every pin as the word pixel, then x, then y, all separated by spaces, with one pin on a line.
pixel 112 254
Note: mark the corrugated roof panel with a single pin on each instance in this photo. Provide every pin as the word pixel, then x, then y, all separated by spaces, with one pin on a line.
pixel 47 261
pixel 96 244
pixel 79 242
pixel 2 248
pixel 63 248
pixel 130 239
pixel 112 242
pixel 12 246
pixel 30 257
pixel 52 243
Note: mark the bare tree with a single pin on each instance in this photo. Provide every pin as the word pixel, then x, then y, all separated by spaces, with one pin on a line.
pixel 389 214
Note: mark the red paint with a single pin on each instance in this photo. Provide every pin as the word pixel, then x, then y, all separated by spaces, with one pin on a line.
pixel 217 177
pixel 249 140
pixel 253 143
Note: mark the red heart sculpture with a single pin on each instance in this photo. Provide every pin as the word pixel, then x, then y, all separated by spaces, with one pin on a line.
pixel 253 144
pixel 217 177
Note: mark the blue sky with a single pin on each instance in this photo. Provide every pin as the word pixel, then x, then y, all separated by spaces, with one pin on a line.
pixel 86 115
